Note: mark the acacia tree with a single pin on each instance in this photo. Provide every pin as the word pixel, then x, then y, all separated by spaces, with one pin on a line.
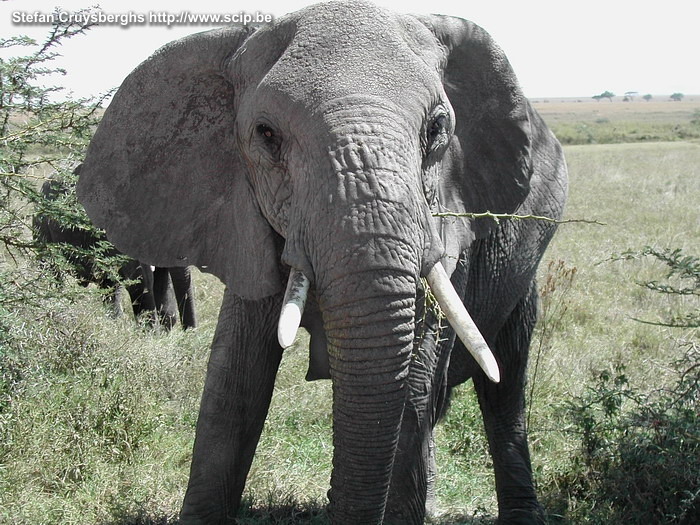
pixel 42 130
pixel 605 94
pixel 677 97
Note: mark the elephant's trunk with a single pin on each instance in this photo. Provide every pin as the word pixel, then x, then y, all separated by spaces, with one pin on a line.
pixel 370 344
pixel 371 337
pixel 363 236
pixel 366 260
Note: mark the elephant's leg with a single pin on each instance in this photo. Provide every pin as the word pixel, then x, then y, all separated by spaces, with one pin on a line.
pixel 412 490
pixel 503 409
pixel 140 288
pixel 113 300
pixel 410 479
pixel 166 306
pixel 244 359
pixel 112 293
pixel 184 295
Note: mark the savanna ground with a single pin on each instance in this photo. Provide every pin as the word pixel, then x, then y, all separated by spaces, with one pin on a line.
pixel 97 415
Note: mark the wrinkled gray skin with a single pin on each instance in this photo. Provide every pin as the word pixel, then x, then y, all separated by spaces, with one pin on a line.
pixel 325 142
pixel 156 293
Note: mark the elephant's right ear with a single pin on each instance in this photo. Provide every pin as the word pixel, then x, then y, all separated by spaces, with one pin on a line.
pixel 163 174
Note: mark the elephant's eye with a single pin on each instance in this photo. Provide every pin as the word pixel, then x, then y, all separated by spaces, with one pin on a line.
pixel 270 139
pixel 265 131
pixel 437 126
pixel 436 133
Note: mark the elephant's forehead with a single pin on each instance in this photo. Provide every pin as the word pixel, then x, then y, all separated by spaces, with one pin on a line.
pixel 342 49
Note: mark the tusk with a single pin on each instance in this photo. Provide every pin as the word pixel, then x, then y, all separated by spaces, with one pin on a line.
pixel 292 307
pixel 453 308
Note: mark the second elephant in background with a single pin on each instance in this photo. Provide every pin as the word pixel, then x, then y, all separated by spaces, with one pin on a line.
pixel 169 292
pixel 161 294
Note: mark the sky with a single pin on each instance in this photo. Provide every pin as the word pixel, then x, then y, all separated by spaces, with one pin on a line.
pixel 558 48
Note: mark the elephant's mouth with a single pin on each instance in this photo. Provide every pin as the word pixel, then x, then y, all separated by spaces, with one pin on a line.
pixel 444 293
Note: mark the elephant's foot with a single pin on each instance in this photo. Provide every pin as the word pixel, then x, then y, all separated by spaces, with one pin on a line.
pixel 525 516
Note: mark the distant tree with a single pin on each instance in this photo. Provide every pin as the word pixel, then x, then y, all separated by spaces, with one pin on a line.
pixel 677 97
pixel 629 95
pixel 647 97
pixel 605 94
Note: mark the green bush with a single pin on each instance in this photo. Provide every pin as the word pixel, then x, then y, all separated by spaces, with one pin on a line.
pixel 639 450
pixel 639 453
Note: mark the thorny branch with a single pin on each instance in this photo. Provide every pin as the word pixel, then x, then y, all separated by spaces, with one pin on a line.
pixel 497 217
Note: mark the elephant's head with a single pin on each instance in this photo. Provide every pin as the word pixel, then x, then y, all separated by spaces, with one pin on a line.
pixel 324 143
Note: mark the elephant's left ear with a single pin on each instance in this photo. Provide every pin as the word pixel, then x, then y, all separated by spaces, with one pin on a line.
pixel 490 154
pixel 164 176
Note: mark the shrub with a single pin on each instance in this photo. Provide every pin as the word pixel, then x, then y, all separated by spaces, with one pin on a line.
pixel 639 452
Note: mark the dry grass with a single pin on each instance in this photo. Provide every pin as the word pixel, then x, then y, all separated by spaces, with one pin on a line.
pixel 590 122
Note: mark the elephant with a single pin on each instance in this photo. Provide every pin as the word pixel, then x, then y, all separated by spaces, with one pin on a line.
pixel 327 168
pixel 162 294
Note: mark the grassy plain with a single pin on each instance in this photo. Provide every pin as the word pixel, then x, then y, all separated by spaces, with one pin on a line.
pixel 97 416
pixel 585 121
